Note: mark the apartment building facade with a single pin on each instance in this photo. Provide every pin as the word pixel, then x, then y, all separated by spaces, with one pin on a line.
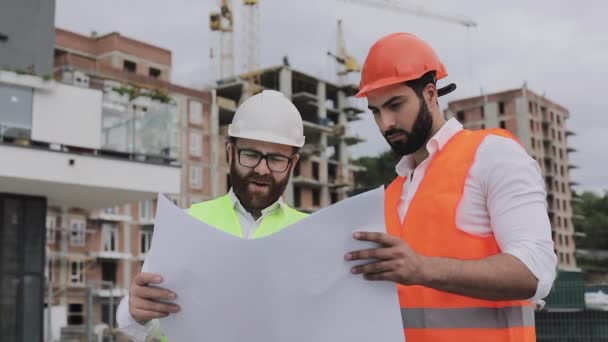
pixel 540 124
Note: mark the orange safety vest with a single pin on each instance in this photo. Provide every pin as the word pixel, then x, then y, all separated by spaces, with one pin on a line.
pixel 430 229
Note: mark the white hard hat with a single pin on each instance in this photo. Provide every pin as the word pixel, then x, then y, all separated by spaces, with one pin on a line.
pixel 268 116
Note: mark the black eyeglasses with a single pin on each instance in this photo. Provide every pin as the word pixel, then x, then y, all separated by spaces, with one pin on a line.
pixel 252 158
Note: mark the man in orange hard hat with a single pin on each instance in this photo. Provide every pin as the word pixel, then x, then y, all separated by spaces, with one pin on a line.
pixel 469 239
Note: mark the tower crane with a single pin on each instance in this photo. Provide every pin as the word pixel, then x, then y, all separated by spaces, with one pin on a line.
pixel 223 22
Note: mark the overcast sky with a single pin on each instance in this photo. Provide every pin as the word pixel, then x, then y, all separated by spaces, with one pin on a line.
pixel 560 48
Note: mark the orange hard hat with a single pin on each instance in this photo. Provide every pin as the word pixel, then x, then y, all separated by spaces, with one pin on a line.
pixel 400 57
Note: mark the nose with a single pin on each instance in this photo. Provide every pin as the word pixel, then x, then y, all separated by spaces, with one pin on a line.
pixel 385 121
pixel 262 167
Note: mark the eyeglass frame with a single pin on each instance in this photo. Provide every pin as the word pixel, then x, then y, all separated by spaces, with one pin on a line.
pixel 263 156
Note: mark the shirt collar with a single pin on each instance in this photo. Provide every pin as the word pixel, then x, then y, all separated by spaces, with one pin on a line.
pixel 436 143
pixel 239 207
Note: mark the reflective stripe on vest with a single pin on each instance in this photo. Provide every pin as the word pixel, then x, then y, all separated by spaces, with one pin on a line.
pixel 429 228
pixel 478 318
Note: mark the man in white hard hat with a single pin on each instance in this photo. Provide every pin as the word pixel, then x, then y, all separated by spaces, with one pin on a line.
pixel 265 136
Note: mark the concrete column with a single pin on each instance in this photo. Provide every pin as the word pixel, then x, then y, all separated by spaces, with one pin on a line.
pixel 342 147
pixel 286 88
pixel 323 167
pixel 127 263
pixel 215 146
pixel 64 264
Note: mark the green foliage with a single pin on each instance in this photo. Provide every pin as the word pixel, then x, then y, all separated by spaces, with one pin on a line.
pixel 134 93
pixel 591 218
pixel 380 170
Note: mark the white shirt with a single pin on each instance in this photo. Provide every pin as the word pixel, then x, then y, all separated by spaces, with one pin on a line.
pixel 504 195
pixel 249 225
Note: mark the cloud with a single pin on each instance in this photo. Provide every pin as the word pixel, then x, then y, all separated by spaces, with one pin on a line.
pixel 559 47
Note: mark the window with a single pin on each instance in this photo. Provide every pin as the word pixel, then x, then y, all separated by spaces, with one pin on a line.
pixel 483 126
pixel 195 144
pixel 334 197
pixel 77 232
pixel 503 124
pixel 297 197
pixel 501 107
pixel 561 240
pixel 195 112
pixel 532 125
pixel 568 258
pixel 111 211
pixel 109 233
pixel 533 143
pixel 315 170
pixel 75 314
pixel 129 66
pixel 483 112
pixel 145 241
pixel 530 107
pixel 561 170
pixel 108 271
pixel 51 226
pixel 195 177
pixel 316 197
pixel 460 115
pixel 106 313
pixel 559 120
pixel 77 273
pixel 561 154
pixel 154 72
pixel 145 210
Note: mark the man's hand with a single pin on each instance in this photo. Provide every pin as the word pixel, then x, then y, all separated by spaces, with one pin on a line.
pixel 144 300
pixel 394 261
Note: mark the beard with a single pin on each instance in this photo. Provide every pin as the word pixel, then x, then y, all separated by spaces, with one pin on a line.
pixel 256 199
pixel 415 139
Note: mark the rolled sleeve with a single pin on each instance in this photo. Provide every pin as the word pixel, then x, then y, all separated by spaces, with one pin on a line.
pixel 516 201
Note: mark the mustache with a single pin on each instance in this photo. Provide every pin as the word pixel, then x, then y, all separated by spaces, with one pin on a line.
pixel 396 131
pixel 256 177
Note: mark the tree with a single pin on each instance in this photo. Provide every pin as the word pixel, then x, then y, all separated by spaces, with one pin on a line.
pixel 590 221
pixel 379 170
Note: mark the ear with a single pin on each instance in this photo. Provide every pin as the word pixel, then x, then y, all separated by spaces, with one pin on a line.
pixel 229 148
pixel 294 160
pixel 430 95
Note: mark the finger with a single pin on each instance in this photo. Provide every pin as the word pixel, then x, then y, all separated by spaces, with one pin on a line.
pixel 375 267
pixel 145 315
pixel 381 238
pixel 150 305
pixel 143 279
pixel 372 253
pixel 153 293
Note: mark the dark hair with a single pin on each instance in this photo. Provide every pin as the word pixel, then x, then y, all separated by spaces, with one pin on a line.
pixel 232 140
pixel 419 84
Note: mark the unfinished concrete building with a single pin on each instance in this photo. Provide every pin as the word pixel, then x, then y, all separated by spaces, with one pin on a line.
pixel 324 174
pixel 540 126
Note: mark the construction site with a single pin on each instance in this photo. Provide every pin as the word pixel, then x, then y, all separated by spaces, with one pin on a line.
pixel 91 104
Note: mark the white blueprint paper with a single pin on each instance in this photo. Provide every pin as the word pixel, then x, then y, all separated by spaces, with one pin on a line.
pixel 292 286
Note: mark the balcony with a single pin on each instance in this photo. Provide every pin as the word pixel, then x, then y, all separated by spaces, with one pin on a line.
pixel 107 293
pixel 111 255
pixel 60 146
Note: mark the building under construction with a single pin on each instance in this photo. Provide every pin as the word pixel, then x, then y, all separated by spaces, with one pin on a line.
pixel 540 125
pixel 325 173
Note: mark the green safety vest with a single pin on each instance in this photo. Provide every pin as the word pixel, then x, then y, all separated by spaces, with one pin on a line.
pixel 220 214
